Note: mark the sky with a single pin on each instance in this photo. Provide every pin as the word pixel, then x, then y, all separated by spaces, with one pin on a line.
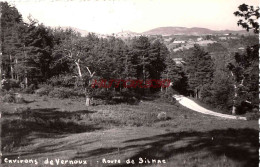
pixel 112 16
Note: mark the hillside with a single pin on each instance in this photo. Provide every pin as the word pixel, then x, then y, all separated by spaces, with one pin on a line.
pixel 166 31
pixel 187 31
pixel 82 32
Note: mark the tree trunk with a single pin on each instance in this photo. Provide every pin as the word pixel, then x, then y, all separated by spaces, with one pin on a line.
pixel 11 67
pixel 234 108
pixel 196 94
pixel 88 101
pixel 26 82
pixel 78 67
pixel 0 70
pixel 235 96
pixel 12 72
pixel 234 101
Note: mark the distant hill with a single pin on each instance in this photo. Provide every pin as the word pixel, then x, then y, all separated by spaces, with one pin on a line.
pixel 187 31
pixel 82 32
pixel 166 31
pixel 124 33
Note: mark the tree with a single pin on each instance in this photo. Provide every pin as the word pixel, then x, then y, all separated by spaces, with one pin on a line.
pixel 199 69
pixel 35 58
pixel 244 69
pixel 245 73
pixel 250 16
pixel 176 75
pixel 147 58
pixel 140 53
pixel 77 50
pixel 11 20
pixel 157 57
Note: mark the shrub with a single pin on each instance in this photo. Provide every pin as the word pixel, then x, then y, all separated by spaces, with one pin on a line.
pixel 252 116
pixel 102 93
pixel 45 98
pixel 7 84
pixel 9 98
pixel 30 89
pixel 13 98
pixel 168 96
pixel 162 116
pixel 61 93
pixel 19 98
pixel 63 80
pixel 78 92
pixel 44 90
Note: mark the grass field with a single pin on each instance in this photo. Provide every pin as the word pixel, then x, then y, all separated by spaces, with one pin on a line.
pixel 65 129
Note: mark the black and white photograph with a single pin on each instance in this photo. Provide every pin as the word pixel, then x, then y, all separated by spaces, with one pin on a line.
pixel 118 83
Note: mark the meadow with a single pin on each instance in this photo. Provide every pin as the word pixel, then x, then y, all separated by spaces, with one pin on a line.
pixel 103 135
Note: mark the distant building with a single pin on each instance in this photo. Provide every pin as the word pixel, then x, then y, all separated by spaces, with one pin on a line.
pixel 178 61
pixel 190 40
pixel 222 38
pixel 167 39
pixel 179 41
pixel 199 39
pixel 233 37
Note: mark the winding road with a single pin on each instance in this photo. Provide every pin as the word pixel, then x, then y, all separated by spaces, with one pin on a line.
pixel 186 102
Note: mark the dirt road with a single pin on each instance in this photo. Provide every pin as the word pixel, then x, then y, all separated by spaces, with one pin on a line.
pixel 194 106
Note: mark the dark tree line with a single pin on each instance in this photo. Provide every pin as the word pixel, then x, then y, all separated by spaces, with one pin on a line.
pixel 34 53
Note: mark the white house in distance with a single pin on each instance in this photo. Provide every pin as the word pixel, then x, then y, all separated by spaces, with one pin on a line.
pixel 199 39
pixel 178 61
pixel 177 42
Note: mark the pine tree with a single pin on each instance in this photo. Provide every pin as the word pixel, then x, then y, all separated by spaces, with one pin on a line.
pixel 175 74
pixel 199 69
pixel 37 51
pixel 11 21
pixel 245 74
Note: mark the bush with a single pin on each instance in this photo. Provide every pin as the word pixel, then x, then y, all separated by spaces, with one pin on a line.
pixel 7 84
pixel 45 98
pixel 9 98
pixel 19 98
pixel 168 96
pixel 62 80
pixel 44 90
pixel 12 98
pixel 104 94
pixel 30 89
pixel 61 93
pixel 252 116
pixel 162 116
pixel 79 92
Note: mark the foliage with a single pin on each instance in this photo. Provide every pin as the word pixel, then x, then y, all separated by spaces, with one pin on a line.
pixel 13 98
pixel 8 98
pixel 199 68
pixel 30 89
pixel 250 16
pixel 162 116
pixel 44 90
pixel 10 83
pixel 167 96
pixel 175 73
pixel 62 80
pixel 246 75
pixel 252 116
pixel 61 93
